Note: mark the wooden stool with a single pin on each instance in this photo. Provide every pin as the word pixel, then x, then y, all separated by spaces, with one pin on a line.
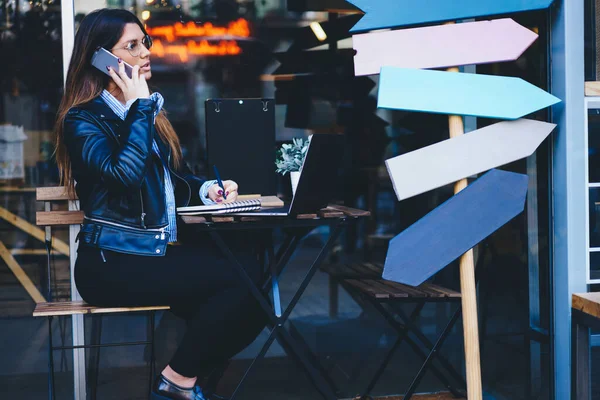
pixel 51 309
pixel 585 315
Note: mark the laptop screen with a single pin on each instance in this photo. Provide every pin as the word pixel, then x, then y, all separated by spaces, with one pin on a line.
pixel 319 174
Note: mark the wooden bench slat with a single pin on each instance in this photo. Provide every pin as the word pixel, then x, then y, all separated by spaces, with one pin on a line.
pixel 55 218
pixel 53 193
pixel 350 270
pixel 431 292
pixel 351 212
pixel 80 307
pixel 588 303
pixel 412 291
pixel 193 219
pixel 329 212
pixel 357 270
pixel 367 289
pixel 447 292
pixel 306 216
pixel 592 88
pixel 221 219
pixel 392 291
pixel 419 291
pixel 367 277
pixel 376 269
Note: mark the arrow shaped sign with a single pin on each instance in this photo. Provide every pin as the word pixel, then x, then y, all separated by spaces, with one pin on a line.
pixel 396 13
pixel 456 226
pixel 460 94
pixel 441 46
pixel 455 159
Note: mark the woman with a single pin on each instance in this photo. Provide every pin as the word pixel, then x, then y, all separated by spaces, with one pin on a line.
pixel 114 140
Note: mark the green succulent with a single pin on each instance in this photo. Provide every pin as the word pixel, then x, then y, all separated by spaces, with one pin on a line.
pixel 291 156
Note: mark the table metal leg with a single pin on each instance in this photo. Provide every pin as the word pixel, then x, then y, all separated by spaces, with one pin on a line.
pixel 274 282
pixel 431 356
pixel 415 329
pixel 258 357
pixel 401 336
pixel 278 330
pixel 283 256
pixel 399 327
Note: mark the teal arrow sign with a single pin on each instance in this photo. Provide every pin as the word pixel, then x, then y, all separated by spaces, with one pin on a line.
pixel 395 13
pixel 460 94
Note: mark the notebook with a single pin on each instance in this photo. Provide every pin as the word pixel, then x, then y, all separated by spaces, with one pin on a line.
pixel 226 208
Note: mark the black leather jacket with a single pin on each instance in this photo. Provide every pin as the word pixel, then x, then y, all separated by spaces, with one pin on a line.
pixel 120 180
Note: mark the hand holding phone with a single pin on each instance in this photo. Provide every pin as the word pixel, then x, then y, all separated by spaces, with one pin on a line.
pixel 102 59
pixel 132 84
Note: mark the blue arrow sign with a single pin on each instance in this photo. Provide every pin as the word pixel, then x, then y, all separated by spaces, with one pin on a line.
pixel 460 94
pixel 456 226
pixel 396 13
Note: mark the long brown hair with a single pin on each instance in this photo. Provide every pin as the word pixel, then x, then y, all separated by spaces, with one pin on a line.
pixel 100 28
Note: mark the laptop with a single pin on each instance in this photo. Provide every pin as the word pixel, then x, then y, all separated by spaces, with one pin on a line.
pixel 318 178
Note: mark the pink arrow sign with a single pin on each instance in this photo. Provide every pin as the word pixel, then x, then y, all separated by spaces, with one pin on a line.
pixel 441 46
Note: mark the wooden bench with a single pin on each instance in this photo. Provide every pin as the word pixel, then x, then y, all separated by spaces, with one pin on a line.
pixel 365 284
pixel 585 309
pixel 71 217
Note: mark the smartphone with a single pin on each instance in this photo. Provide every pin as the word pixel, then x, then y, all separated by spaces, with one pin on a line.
pixel 103 58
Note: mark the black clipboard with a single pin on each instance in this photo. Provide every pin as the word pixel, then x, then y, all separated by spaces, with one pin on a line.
pixel 240 141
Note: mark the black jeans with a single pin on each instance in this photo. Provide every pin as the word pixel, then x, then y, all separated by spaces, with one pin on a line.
pixel 199 284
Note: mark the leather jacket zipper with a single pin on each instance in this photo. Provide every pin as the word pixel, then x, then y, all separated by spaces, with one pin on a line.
pixel 101 221
pixel 143 215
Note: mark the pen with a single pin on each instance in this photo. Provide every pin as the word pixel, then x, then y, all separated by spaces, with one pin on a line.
pixel 219 181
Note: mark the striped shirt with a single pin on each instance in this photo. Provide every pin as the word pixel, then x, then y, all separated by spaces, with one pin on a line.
pixel 121 111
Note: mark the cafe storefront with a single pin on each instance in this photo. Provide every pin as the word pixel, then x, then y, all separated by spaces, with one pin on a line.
pixel 260 49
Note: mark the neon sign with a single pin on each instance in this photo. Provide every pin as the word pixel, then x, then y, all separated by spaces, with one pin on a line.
pixel 238 28
pixel 203 48
pixel 207 34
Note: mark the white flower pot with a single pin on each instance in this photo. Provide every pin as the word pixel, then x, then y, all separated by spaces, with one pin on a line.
pixel 294 177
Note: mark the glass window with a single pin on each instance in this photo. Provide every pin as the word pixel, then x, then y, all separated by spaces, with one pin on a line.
pixel 31 86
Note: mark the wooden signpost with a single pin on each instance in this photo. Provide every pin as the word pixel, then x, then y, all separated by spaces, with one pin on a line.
pixel 441 46
pixel 455 227
pixel 381 14
pixel 455 159
pixel 460 94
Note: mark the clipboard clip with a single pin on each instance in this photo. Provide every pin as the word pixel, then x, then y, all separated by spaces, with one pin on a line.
pixel 265 105
pixel 217 106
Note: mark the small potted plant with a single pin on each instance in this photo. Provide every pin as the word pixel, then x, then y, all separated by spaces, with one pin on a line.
pixel 290 158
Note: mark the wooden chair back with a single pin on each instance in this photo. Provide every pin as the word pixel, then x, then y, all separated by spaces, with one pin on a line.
pixel 50 218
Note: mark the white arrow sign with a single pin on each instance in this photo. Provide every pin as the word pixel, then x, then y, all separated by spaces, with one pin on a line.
pixel 452 160
pixel 441 46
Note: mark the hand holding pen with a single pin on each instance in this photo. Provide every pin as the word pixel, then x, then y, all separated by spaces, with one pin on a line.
pixel 223 191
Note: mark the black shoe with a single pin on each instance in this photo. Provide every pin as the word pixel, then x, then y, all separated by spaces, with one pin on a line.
pixel 164 389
